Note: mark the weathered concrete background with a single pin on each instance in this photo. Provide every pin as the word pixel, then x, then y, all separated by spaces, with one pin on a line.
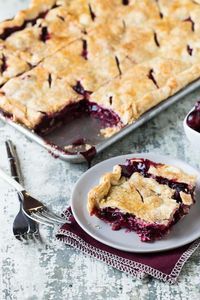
pixel 53 271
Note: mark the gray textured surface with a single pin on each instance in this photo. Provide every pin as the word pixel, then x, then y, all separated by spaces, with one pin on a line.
pixel 54 271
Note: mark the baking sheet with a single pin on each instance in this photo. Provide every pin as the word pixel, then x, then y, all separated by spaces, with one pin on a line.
pixel 54 141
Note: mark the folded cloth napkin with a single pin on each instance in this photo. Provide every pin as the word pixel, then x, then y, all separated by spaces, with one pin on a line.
pixel 164 265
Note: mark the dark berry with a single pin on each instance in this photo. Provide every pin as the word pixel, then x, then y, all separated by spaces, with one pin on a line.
pixel 193 120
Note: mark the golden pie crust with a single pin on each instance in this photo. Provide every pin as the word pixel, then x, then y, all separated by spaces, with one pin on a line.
pixel 143 197
pixel 137 54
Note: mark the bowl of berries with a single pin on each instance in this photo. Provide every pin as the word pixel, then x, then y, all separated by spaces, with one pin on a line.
pixel 192 125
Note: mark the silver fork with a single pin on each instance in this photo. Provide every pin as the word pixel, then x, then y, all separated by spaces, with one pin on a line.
pixel 33 208
pixel 24 228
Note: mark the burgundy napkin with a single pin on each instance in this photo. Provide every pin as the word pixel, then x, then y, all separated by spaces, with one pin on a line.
pixel 164 265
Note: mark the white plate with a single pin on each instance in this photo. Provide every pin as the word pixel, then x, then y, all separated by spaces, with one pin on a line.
pixel 184 232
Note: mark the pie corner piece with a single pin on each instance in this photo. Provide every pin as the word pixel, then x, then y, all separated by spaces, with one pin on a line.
pixel 143 196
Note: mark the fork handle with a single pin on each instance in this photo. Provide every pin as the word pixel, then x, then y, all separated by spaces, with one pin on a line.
pixel 11 181
pixel 13 161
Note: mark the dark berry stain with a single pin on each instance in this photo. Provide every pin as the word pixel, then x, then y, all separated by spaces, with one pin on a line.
pixel 118 65
pixel 50 80
pixel 92 14
pixel 79 89
pixel 61 18
pixel 85 50
pixel 192 23
pixel 160 13
pixel 55 6
pixel 44 36
pixel 151 77
pixel 156 39
pixel 4 65
pixel 125 2
pixel 42 15
pixel 10 30
pixel 89 155
pixel 84 31
pixel 189 50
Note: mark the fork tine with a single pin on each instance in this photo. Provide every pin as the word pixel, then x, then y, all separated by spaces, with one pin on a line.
pixel 30 236
pixel 18 237
pixel 22 238
pixel 25 238
pixel 35 234
pixel 37 238
pixel 44 214
pixel 38 218
pixel 36 231
pixel 51 216
pixel 57 217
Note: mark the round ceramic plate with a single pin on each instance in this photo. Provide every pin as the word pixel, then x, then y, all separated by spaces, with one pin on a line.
pixel 184 232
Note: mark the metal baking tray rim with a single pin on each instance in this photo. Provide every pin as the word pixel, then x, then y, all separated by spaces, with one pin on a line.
pixel 78 158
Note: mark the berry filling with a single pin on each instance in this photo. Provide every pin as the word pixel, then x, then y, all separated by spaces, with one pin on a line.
pixel 193 119
pixel 45 35
pixel 4 65
pixel 148 232
pixel 10 30
pixel 75 110
pixel 80 136
pixel 142 166
pixel 79 89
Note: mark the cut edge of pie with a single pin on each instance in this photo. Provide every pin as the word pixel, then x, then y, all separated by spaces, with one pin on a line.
pixel 143 196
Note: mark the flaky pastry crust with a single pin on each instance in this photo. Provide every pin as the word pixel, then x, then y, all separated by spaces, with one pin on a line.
pixel 129 55
pixel 143 197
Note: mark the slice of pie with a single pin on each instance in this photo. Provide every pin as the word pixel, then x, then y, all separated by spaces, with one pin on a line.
pixel 143 196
